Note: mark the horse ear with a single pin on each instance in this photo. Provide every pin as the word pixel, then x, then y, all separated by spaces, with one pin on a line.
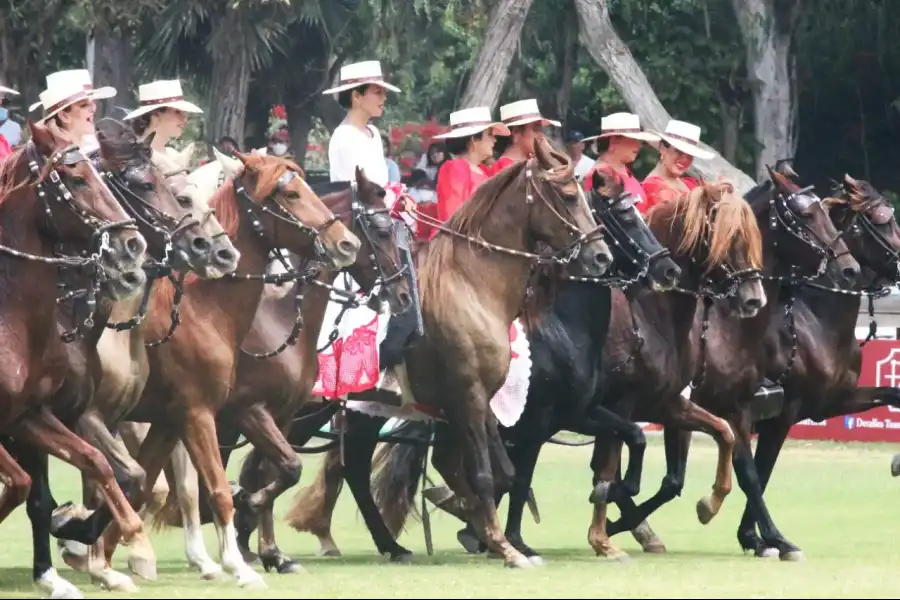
pixel 785 168
pixel 361 179
pixel 850 181
pixel 148 141
pixel 542 152
pixel 184 157
pixel 231 166
pixel 42 138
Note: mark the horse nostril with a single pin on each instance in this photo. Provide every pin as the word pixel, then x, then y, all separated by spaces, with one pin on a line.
pixel 755 303
pixel 347 247
pixel 135 246
pixel 200 245
pixel 671 274
pixel 851 272
pixel 131 278
pixel 225 256
pixel 405 300
pixel 602 259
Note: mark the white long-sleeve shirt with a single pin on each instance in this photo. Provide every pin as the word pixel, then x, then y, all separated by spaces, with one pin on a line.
pixel 350 147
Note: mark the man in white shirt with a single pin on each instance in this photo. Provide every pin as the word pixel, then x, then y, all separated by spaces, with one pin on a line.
pixel 575 150
pixel 11 130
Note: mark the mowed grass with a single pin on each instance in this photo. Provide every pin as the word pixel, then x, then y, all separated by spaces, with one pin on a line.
pixel 837 502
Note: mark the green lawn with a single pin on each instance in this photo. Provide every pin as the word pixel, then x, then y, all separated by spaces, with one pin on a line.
pixel 836 502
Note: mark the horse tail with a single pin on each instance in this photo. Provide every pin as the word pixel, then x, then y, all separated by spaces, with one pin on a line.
pixel 399 469
pixel 312 510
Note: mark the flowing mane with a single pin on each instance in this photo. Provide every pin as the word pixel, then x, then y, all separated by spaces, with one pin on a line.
pixel 14 173
pixel 714 207
pixel 439 259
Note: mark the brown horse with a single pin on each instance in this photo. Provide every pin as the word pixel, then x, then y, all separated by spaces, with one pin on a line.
pixel 473 278
pixel 268 393
pixel 266 205
pixel 799 243
pixel 51 194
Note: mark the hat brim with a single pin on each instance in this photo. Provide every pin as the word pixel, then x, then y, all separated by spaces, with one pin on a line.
pixel 643 136
pixel 700 150
pixel 350 86
pixel 103 93
pixel 498 129
pixel 545 122
pixel 182 105
pixel 6 90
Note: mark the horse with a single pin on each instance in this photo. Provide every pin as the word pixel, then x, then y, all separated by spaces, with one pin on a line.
pixel 814 343
pixel 800 243
pixel 268 393
pixel 473 277
pixel 50 194
pixel 647 352
pixel 263 205
pixel 108 374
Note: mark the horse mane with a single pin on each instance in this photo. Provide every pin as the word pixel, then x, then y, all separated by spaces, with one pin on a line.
pixel 11 176
pixel 859 196
pixel 268 170
pixel 439 259
pixel 733 220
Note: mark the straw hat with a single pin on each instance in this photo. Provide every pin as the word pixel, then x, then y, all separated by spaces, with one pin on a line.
pixel 157 94
pixel 625 124
pixel 65 88
pixel 524 112
pixel 361 73
pixel 685 137
pixel 470 121
pixel 6 90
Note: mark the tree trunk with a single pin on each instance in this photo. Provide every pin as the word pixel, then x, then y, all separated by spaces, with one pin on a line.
pixel 730 116
pixel 568 58
pixel 500 42
pixel 228 93
pixel 767 30
pixel 111 65
pixel 610 52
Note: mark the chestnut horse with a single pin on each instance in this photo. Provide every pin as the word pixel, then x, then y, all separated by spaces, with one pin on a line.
pixel 268 393
pixel 714 238
pixel 800 243
pixel 50 194
pixel 263 206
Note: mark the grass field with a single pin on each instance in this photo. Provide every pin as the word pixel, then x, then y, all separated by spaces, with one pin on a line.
pixel 836 502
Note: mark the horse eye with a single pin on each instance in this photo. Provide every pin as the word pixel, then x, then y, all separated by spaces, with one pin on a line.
pixel 183 201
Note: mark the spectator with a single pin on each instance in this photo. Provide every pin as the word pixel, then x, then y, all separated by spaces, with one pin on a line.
pixel 575 150
pixel 392 166
pixel 431 161
pixel 228 145
pixel 9 129
pixel 280 143
pixel 420 187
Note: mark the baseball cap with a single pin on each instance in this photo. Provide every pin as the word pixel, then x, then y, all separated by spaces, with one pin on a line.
pixel 574 136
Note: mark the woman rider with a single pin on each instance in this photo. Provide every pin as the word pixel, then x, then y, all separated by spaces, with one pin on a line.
pixel 620 141
pixel 162 113
pixel 525 124
pixel 69 106
pixel 678 147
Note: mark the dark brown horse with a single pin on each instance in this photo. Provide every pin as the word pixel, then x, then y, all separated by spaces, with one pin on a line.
pixel 473 278
pixel 268 393
pixel 800 243
pixel 263 206
pixel 51 194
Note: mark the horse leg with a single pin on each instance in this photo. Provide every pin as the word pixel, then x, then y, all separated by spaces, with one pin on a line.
pixel 188 492
pixel 748 480
pixel 313 507
pixel 246 520
pixel 601 422
pixel 16 484
pixel 43 430
pixel 634 517
pixel 260 429
pixel 524 454
pixel 604 463
pixel 203 446
pixel 133 435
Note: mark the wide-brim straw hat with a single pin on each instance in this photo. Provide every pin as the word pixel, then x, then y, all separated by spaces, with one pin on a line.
pixel 159 94
pixel 65 88
pixel 624 124
pixel 523 112
pixel 470 121
pixel 685 137
pixel 361 73
pixel 6 90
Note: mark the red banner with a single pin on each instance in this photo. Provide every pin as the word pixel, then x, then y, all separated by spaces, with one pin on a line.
pixel 880 367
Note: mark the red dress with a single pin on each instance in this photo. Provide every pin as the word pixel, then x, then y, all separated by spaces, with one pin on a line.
pixel 659 190
pixel 628 181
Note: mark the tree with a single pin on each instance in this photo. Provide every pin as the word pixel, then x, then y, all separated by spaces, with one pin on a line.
pixel 610 52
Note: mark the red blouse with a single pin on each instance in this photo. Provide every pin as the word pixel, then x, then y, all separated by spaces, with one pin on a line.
pixel 5 148
pixel 499 164
pixel 456 182
pixel 659 190
pixel 628 181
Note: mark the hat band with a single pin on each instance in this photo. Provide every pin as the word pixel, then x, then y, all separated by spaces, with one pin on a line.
pixel 361 80
pixel 66 101
pixel 623 130
pixel 167 100
pixel 509 120
pixel 470 124
pixel 683 139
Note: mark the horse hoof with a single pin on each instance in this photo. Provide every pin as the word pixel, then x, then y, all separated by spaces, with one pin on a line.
pixel 616 556
pixel 705 512
pixel 519 562
pixel 211 572
pixel 281 563
pixel 330 553
pixel 402 558
pixel 144 568
pixel 655 547
pixel 537 560
pixel 468 541
pixel 250 579
pixel 114 581
pixel 56 587
pixel 764 553
pixel 895 465
pixel 792 556
pixel 600 493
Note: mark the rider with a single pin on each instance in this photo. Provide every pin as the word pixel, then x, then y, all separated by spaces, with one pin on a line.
pixel 525 124
pixel 678 147
pixel 162 111
pixel 621 138
pixel 69 106
pixel 8 127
